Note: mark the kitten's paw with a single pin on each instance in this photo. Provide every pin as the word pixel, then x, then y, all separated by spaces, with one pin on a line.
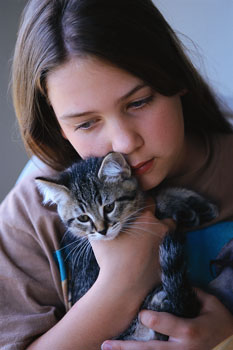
pixel 141 333
pixel 185 207
pixel 157 300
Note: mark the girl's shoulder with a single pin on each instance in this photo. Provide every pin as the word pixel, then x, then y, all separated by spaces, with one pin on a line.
pixel 23 209
pixel 25 194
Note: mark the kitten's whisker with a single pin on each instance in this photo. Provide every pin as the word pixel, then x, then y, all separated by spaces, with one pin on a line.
pixel 87 253
pixel 139 210
pixel 144 207
pixel 71 251
pixel 138 223
pixel 136 226
pixel 66 232
pixel 138 230
pixel 81 243
pixel 76 257
pixel 134 215
pixel 143 222
pixel 81 252
pixel 69 244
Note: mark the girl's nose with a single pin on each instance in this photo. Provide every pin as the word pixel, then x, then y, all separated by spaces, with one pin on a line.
pixel 125 139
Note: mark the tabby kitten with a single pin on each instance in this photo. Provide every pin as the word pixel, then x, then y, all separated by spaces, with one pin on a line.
pixel 97 199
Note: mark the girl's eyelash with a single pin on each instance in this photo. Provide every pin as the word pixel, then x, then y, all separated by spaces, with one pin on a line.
pixel 141 103
pixel 84 126
pixel 135 105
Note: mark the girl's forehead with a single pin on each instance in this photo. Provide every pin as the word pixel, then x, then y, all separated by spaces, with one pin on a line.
pixel 89 68
pixel 84 81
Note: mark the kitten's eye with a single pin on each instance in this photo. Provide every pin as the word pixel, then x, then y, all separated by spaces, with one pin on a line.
pixel 109 208
pixel 83 218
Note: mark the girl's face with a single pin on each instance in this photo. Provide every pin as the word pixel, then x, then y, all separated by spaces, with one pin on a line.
pixel 101 108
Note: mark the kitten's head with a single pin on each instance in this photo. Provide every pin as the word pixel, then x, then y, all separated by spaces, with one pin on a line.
pixel 96 197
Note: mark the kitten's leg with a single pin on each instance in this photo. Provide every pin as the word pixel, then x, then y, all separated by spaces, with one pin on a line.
pixel 137 331
pixel 176 295
pixel 186 207
pixel 181 299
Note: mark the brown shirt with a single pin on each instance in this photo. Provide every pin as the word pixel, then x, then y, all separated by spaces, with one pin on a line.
pixel 31 298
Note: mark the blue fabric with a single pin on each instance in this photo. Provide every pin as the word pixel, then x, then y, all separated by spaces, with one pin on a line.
pixel 58 256
pixel 204 245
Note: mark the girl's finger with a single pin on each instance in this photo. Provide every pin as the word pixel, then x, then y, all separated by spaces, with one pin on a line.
pixel 165 323
pixel 208 301
pixel 139 345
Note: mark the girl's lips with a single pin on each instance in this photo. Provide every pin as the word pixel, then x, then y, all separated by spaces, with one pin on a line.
pixel 142 168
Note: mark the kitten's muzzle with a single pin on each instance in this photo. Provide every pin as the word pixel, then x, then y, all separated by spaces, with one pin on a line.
pixel 103 232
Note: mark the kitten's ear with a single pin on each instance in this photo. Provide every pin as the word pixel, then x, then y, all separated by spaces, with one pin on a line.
pixel 52 191
pixel 114 167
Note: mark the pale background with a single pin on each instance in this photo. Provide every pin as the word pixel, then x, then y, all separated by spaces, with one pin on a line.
pixel 208 23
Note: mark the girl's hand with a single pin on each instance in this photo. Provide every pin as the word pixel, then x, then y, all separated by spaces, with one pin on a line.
pixel 131 259
pixel 212 326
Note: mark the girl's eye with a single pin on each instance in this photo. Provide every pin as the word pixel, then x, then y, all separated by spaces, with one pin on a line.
pixel 141 103
pixel 83 218
pixel 109 208
pixel 85 126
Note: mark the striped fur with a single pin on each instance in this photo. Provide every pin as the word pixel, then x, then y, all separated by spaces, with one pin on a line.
pixel 99 198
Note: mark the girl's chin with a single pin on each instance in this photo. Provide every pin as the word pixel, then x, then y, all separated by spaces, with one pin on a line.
pixel 149 182
pixel 146 185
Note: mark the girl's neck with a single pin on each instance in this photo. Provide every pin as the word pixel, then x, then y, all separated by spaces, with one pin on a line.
pixel 194 155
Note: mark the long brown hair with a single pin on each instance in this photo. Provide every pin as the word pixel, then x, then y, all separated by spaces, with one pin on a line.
pixel 131 34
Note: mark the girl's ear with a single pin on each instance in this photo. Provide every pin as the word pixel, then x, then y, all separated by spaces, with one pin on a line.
pixel 114 167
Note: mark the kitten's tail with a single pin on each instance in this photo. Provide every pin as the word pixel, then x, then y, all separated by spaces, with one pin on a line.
pixel 180 299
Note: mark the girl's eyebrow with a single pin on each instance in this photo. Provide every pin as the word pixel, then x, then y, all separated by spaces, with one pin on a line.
pixel 131 92
pixel 124 97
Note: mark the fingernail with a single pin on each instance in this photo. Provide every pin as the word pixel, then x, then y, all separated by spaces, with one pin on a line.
pixel 144 316
pixel 106 346
pixel 141 316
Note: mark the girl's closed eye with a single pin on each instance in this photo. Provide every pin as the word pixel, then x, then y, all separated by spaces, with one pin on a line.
pixel 140 103
pixel 86 125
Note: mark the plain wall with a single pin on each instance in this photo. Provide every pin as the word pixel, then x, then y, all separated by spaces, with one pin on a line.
pixel 12 154
pixel 209 23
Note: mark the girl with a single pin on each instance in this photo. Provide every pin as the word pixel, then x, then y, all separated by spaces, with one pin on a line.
pixel 90 77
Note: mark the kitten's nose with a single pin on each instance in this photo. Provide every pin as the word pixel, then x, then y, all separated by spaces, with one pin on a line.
pixel 103 232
